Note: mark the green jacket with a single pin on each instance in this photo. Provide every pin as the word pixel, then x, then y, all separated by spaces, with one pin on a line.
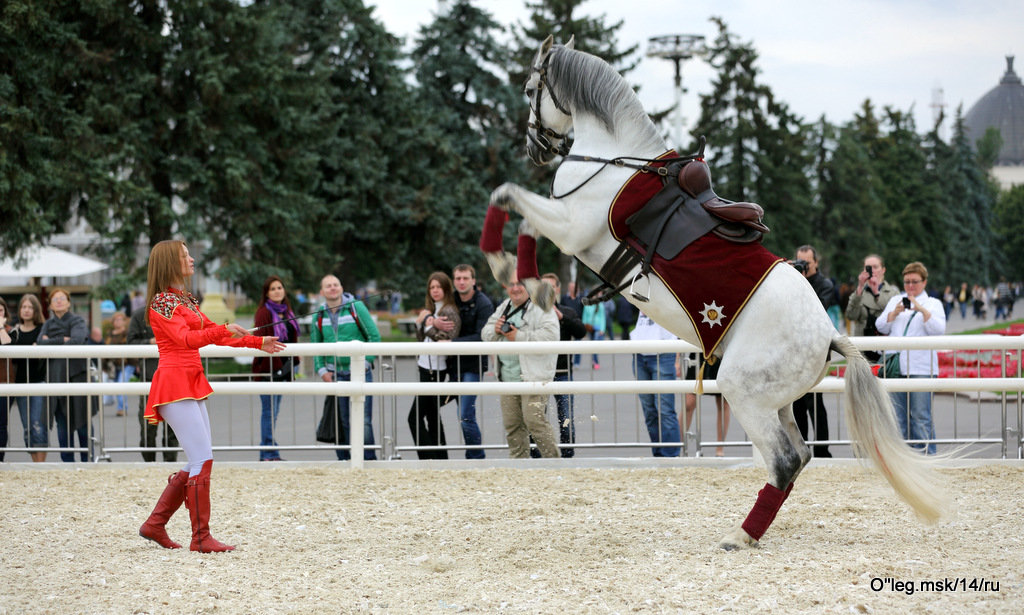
pixel 323 330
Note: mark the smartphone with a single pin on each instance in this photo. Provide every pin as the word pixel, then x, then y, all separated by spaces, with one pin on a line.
pixel 906 303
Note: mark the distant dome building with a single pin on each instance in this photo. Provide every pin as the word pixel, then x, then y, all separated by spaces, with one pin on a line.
pixel 1003 108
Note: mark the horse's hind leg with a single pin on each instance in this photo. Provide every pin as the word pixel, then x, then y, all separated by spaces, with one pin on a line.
pixel 795 437
pixel 785 460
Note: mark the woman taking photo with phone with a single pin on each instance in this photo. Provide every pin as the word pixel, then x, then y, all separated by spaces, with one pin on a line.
pixel 179 389
pixel 914 314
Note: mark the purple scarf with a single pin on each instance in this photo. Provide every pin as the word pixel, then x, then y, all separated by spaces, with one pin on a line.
pixel 280 313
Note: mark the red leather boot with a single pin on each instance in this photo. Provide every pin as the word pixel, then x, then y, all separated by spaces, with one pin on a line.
pixel 169 503
pixel 197 500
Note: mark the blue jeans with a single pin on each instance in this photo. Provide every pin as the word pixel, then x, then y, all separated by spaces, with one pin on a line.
pixel 467 419
pixel 596 336
pixel 917 425
pixel 33 420
pixel 63 438
pixel 566 416
pixel 125 375
pixel 659 410
pixel 3 425
pixel 368 454
pixel 268 419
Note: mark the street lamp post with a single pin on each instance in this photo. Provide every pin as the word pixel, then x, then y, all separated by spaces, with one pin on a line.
pixel 677 48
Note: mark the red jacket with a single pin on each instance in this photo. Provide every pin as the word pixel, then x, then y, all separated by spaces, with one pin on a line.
pixel 181 329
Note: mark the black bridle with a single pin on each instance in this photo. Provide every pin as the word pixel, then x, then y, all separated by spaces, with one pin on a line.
pixel 541 135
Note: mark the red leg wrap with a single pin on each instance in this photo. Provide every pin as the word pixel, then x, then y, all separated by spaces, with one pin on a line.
pixel 760 517
pixel 494 223
pixel 526 258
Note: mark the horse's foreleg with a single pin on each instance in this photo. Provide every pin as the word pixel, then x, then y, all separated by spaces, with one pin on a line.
pixel 542 293
pixel 502 264
pixel 551 218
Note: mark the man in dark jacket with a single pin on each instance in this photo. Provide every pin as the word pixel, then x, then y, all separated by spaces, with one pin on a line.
pixel 474 309
pixel 139 332
pixel 812 405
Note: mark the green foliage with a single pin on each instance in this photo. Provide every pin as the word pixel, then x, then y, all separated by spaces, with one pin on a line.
pixel 296 138
pixel 1009 214
pixel 757 149
pixel 471 110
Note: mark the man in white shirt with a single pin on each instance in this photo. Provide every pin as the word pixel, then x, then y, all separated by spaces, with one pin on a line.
pixel 659 410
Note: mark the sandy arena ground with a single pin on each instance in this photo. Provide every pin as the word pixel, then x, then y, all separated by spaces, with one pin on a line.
pixel 321 539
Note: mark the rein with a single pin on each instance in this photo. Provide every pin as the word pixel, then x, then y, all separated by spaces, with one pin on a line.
pixel 618 162
pixel 640 164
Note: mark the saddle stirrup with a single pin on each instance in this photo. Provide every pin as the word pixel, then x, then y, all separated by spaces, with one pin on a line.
pixel 632 286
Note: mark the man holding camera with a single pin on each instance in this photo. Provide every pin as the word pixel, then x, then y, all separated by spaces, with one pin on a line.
pixel 517 319
pixel 812 405
pixel 869 300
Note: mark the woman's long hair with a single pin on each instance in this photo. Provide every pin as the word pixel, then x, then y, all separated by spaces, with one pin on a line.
pixel 164 269
pixel 37 308
pixel 266 289
pixel 446 286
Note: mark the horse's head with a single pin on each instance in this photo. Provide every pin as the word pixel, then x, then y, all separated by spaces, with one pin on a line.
pixel 547 134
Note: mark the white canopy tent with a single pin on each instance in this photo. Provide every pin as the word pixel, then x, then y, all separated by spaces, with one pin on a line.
pixel 47 261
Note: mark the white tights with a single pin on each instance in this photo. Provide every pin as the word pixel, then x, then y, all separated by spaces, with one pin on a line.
pixel 191 423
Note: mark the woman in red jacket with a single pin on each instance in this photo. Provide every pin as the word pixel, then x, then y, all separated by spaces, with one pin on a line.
pixel 179 388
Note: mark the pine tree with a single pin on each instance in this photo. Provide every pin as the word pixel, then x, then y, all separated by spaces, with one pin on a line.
pixel 854 221
pixel 757 149
pixel 460 68
pixel 1009 224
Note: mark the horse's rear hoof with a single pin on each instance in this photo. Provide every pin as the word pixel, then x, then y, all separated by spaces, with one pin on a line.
pixel 738 539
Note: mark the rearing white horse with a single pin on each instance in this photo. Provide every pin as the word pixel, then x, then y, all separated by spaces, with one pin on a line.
pixel 774 350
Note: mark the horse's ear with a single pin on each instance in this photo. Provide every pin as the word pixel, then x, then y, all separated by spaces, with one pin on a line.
pixel 546 45
pixel 572 42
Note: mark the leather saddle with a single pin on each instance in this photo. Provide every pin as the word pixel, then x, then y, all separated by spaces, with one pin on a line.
pixel 687 208
pixel 695 180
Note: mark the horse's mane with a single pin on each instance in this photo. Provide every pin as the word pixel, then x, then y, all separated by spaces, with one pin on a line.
pixel 587 84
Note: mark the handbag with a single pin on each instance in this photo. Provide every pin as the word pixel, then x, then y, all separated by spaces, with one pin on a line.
pixel 329 429
pixel 284 374
pixel 891 369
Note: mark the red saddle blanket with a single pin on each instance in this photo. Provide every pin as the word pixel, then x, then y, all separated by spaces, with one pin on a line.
pixel 712 278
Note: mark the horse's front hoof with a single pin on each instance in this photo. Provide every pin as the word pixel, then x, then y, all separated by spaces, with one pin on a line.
pixel 503 266
pixel 541 293
pixel 502 196
pixel 738 539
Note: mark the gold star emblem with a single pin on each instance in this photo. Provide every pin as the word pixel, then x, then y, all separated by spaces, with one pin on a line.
pixel 712 314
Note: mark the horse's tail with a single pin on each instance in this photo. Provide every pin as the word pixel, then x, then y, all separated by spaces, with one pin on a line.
pixel 875 436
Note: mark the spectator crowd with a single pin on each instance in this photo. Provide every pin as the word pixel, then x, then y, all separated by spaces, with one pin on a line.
pixel 457 308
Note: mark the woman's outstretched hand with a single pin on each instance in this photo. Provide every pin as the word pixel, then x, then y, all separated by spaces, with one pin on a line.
pixel 271 345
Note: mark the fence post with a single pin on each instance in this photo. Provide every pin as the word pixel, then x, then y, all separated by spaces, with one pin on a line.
pixel 356 412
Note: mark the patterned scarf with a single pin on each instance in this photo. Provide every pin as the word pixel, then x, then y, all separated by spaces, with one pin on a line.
pixel 281 314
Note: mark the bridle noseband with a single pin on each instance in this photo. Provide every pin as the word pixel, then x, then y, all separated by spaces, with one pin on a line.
pixel 542 136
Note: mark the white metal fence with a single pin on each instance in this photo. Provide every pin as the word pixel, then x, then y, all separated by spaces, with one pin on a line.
pixel 989 417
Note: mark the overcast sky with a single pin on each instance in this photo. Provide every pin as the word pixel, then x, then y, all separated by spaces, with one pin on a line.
pixel 819 56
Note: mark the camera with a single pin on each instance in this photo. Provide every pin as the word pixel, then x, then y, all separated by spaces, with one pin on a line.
pixel 906 303
pixel 506 327
pixel 800 265
pixel 868 269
